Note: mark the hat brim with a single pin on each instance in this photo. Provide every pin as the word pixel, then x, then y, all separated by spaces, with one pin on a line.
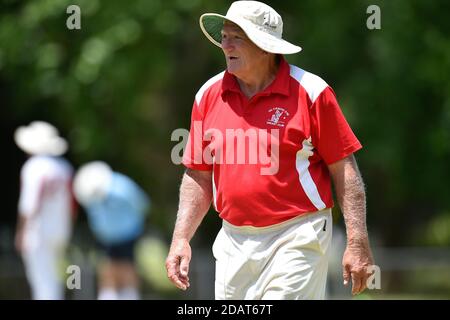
pixel 28 142
pixel 212 25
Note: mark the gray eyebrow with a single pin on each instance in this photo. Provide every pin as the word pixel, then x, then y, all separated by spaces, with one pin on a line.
pixel 235 29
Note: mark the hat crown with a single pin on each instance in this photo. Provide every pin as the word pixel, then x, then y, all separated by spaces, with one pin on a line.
pixel 261 23
pixel 259 14
pixel 40 138
pixel 43 129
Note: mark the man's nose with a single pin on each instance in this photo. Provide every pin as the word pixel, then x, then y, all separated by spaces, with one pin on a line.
pixel 227 45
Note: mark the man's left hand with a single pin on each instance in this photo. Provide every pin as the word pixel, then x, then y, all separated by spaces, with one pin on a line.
pixel 357 258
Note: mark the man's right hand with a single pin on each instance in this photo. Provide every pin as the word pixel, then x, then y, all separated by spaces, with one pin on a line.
pixel 177 263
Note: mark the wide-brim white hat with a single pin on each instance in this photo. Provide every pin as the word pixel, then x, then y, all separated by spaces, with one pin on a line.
pixel 40 138
pixel 262 25
pixel 92 182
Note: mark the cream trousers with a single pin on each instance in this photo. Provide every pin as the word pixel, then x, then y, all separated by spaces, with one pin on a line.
pixel 286 261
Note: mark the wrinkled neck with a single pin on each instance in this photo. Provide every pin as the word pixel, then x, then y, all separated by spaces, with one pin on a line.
pixel 260 78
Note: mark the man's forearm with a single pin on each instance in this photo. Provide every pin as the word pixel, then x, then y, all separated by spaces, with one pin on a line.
pixel 21 223
pixel 20 227
pixel 195 200
pixel 351 197
pixel 353 205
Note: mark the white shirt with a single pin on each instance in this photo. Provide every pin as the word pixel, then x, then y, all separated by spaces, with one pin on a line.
pixel 46 200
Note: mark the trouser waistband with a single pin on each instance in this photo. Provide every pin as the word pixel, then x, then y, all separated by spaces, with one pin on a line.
pixel 305 217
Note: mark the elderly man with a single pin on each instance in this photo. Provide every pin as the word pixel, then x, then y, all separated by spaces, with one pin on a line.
pixel 277 223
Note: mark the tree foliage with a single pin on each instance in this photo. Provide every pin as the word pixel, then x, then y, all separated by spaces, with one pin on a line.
pixel 121 84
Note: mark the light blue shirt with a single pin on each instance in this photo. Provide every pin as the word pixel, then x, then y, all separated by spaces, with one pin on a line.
pixel 121 215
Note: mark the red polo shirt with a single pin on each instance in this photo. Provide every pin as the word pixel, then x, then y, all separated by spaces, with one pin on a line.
pixel 269 154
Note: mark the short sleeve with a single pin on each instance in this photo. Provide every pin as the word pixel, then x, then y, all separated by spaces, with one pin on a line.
pixel 193 156
pixel 331 134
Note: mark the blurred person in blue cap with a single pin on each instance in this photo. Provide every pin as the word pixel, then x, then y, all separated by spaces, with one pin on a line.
pixel 116 207
pixel 45 208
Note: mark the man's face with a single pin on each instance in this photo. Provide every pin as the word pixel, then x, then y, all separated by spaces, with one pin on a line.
pixel 242 55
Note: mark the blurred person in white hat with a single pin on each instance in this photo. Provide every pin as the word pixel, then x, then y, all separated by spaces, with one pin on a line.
pixel 277 223
pixel 45 208
pixel 116 207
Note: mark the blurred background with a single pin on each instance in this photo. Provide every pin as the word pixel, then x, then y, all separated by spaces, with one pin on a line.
pixel 118 87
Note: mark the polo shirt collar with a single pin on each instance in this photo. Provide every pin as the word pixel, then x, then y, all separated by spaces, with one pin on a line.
pixel 279 85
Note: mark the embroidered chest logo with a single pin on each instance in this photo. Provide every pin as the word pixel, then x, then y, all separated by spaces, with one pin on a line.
pixel 278 116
